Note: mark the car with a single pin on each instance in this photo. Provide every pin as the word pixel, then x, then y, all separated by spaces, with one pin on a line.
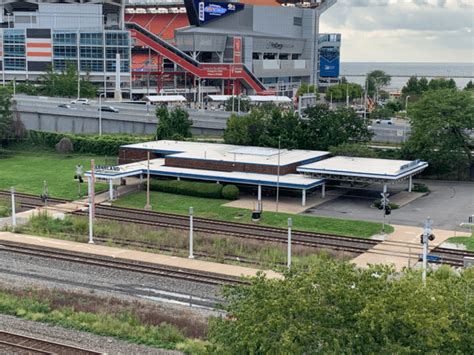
pixel 80 102
pixel 69 107
pixel 108 109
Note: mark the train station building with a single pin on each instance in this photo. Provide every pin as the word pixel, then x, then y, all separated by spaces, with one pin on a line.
pixel 257 167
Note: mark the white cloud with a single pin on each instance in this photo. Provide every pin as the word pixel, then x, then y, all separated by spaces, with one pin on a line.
pixel 403 30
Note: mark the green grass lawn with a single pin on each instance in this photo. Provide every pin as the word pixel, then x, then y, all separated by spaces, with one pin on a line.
pixel 212 208
pixel 467 241
pixel 26 171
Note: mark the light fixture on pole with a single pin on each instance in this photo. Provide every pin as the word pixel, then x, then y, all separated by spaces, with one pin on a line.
pixel 278 174
pixel 406 102
pixel 100 112
pixel 148 205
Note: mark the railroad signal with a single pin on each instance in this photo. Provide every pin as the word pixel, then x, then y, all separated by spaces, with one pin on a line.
pixel 45 195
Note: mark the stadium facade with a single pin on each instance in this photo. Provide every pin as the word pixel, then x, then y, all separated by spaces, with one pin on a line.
pixel 175 45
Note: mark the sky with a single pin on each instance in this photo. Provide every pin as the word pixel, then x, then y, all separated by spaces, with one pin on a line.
pixel 403 30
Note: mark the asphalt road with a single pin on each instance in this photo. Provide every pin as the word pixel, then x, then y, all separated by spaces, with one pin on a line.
pixel 448 204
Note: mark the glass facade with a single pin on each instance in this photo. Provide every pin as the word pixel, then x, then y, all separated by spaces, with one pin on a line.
pixel 14 51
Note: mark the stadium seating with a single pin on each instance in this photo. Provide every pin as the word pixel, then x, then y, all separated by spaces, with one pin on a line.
pixel 162 25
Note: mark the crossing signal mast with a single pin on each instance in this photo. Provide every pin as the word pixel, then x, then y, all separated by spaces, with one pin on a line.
pixel 385 206
pixel 425 238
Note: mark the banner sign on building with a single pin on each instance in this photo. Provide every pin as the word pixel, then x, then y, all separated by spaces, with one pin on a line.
pixel 237 49
pixel 329 62
pixel 210 10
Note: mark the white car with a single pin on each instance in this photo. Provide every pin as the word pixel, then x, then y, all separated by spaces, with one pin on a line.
pixel 80 102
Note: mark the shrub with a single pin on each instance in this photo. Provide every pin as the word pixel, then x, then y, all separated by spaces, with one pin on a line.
pixel 377 203
pixel 190 188
pixel 230 192
pixel 89 144
pixel 420 187
pixel 65 146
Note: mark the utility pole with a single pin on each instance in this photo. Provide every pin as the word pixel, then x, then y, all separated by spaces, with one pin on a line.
pixel 12 190
pixel 278 174
pixel 425 238
pixel 191 227
pixel 290 224
pixel 148 205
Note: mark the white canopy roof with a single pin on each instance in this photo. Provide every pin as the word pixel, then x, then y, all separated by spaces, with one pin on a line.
pixel 166 98
pixel 252 98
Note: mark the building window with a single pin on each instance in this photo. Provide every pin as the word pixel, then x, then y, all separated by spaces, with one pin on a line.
pixel 62 64
pixel 124 66
pixel 255 56
pixel 298 21
pixel 14 50
pixel 117 39
pixel 92 65
pixel 13 36
pixel 64 38
pixel 284 56
pixel 295 56
pixel 124 53
pixel 93 39
pixel 269 56
pixel 92 52
pixel 65 52
pixel 14 64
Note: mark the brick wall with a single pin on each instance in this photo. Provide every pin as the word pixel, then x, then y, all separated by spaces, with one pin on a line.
pixel 127 155
pixel 229 166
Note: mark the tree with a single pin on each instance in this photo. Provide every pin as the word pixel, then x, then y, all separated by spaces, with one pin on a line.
pixel 307 89
pixel 332 307
pixel 381 113
pixel 6 119
pixel 285 127
pixel 376 80
pixel 340 91
pixel 325 127
pixel 353 150
pixel 173 125
pixel 441 83
pixel 394 106
pixel 441 122
pixel 64 83
pixel 236 103
pixel 469 86
pixel 245 130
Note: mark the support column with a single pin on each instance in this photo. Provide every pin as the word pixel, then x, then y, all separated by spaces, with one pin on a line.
pixel 259 194
pixel 111 190
pixel 410 184
pixel 323 190
pixel 303 198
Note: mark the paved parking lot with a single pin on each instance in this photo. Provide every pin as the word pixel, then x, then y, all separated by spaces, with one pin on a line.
pixel 448 204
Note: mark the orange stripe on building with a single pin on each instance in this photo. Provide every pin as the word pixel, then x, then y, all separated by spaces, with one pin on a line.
pixel 38 45
pixel 38 54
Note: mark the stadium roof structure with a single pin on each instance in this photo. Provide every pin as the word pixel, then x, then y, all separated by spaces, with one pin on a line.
pixel 364 169
pixel 119 3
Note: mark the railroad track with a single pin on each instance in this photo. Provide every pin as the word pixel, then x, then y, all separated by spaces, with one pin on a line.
pixel 234 229
pixel 121 264
pixel 30 201
pixel 11 343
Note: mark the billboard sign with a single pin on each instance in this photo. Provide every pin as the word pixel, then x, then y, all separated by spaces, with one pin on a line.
pixel 237 49
pixel 329 62
pixel 211 10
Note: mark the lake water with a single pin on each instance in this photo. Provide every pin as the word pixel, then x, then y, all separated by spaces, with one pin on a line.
pixel 400 72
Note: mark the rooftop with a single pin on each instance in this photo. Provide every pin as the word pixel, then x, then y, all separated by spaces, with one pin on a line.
pixel 230 153
pixel 365 167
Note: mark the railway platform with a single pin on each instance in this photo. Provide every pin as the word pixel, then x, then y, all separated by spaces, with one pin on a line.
pixel 133 255
pixel 402 248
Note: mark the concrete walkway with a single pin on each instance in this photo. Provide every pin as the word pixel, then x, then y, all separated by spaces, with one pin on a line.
pixel 402 248
pixel 133 255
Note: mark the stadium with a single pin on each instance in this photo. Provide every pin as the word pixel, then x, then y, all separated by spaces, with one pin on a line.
pixel 190 47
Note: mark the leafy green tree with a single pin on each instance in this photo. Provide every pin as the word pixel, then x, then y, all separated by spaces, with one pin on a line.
pixel 285 127
pixel 6 119
pixel 394 106
pixel 441 84
pixel 325 127
pixel 340 91
pixel 440 125
pixel 381 113
pixel 377 80
pixel 307 89
pixel 353 150
pixel 245 130
pixel 233 104
pixel 173 125
pixel 332 307
pixel 469 86
pixel 64 83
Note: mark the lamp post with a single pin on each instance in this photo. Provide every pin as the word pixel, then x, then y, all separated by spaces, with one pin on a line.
pixel 100 112
pixel 278 174
pixel 406 102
